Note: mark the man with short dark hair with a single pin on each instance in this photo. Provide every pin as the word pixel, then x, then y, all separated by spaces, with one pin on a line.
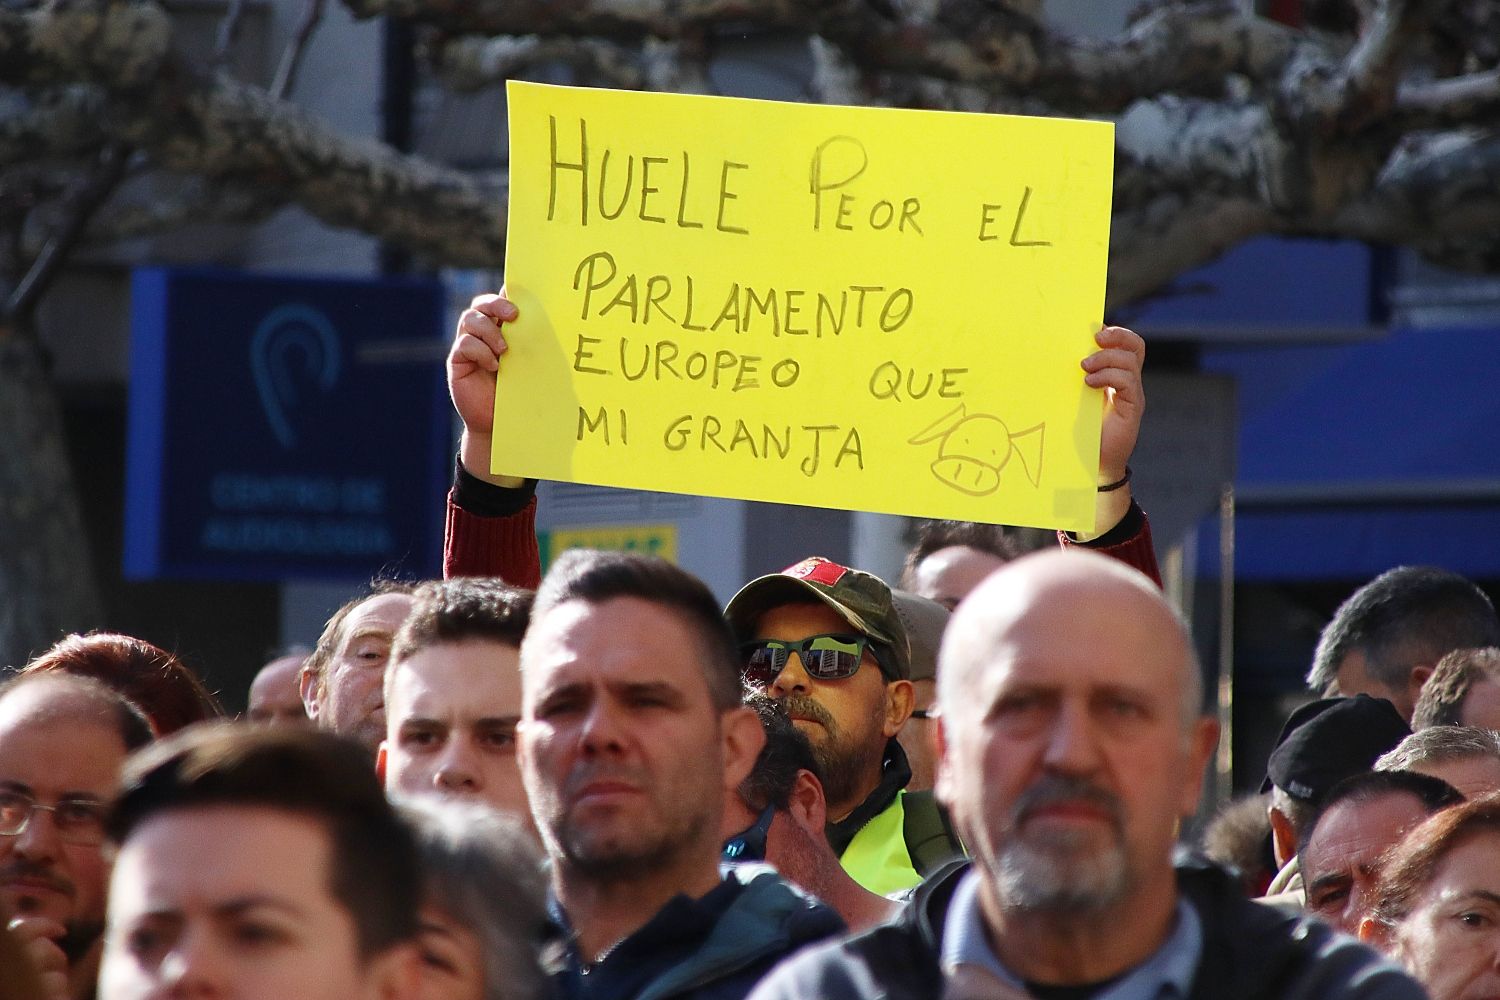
pixel 453 693
pixel 342 678
pixel 1465 757
pixel 779 816
pixel 633 734
pixel 1357 822
pixel 1464 690
pixel 1073 743
pixel 63 739
pixel 1387 638
pixel 951 558
pixel 263 864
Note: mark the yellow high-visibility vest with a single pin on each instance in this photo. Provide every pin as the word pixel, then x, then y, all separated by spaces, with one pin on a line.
pixel 877 857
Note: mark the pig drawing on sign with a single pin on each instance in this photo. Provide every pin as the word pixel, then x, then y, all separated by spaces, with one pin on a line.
pixel 973 449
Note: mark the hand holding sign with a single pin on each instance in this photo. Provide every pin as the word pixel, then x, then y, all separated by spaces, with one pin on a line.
pixel 708 311
pixel 473 367
pixel 1116 368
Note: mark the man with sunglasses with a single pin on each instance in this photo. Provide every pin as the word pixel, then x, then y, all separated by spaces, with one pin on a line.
pixel 63 740
pixel 828 643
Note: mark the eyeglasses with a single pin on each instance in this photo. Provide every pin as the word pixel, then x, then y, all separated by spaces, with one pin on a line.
pixel 78 821
pixel 750 844
pixel 827 657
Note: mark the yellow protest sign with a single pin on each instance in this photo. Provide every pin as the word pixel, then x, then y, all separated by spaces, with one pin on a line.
pixel 862 308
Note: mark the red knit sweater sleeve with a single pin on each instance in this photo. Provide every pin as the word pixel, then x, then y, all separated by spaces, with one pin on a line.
pixel 492 546
pixel 1129 541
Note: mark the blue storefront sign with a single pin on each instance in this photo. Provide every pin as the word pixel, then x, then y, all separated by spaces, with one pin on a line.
pixel 285 428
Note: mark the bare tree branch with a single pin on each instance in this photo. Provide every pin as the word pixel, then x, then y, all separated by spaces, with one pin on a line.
pixel 191 202
pixel 1342 100
pixel 291 58
pixel 677 66
pixel 229 33
pixel 1183 46
pixel 120 44
pixel 51 122
pixel 626 19
pixel 1160 239
pixel 227 131
pixel 474 61
pixel 1439 189
pixel 83 202
pixel 1456 100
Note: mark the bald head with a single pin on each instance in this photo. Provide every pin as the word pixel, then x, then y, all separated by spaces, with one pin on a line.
pixel 275 696
pixel 1071 736
pixel 1064 587
pixel 54 699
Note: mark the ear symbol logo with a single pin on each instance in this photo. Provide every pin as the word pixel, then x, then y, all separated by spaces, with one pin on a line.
pixel 294 349
pixel 972 450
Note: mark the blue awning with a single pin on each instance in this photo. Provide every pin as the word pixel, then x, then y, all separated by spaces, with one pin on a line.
pixel 1356 458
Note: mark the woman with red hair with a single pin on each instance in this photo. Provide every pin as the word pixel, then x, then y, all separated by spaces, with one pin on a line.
pixel 157 682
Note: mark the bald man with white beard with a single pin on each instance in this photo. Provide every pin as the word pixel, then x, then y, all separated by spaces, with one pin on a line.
pixel 1072 742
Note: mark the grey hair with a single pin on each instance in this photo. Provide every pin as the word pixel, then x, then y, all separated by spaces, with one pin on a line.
pixel 1440 743
pixel 481 867
pixel 1298 812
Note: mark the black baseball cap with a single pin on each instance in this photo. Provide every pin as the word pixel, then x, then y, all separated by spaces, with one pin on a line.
pixel 1326 741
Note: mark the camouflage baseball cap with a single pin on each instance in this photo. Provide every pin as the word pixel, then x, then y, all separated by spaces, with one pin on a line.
pixel 862 600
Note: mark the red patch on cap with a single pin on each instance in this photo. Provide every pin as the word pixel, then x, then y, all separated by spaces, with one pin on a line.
pixel 818 570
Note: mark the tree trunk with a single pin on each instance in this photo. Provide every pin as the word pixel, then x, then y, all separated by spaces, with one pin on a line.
pixel 47 583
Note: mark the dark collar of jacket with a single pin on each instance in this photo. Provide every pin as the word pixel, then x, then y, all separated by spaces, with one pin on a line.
pixel 757 919
pixel 895 774
pixel 1250 951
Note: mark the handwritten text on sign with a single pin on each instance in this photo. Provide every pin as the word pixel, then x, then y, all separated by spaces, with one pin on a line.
pixel 859 308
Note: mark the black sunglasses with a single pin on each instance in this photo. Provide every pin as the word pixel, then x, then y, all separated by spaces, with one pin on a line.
pixel 750 844
pixel 831 656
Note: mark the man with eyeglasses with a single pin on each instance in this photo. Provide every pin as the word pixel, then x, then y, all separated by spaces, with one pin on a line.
pixel 63 740
pixel 828 643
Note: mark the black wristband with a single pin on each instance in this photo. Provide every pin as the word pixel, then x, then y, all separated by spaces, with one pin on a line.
pixel 1117 484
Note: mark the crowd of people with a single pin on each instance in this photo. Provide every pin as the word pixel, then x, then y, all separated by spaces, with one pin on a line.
pixel 601 784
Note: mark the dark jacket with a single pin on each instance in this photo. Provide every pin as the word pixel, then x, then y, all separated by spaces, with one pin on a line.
pixel 764 921
pixel 1250 952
